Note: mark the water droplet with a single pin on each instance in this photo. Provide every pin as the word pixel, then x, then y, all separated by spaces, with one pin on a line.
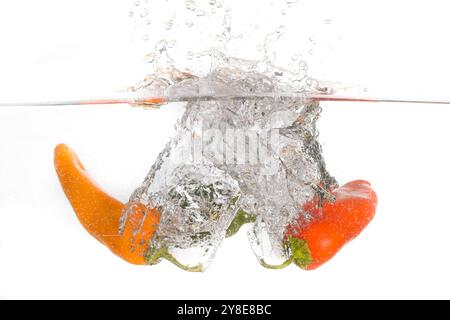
pixel 228 9
pixel 189 23
pixel 148 22
pixel 212 2
pixel 161 46
pixel 303 65
pixel 190 55
pixel 270 56
pixel 169 24
pixel 281 30
pixel 298 67
pixel 312 83
pixel 201 13
pixel 191 5
pixel 172 43
pixel 131 14
pixel 284 12
pixel 144 13
pixel 227 20
pixel 150 58
pixel 259 47
pixel 219 4
pixel 137 3
pixel 327 21
pixel 311 52
pixel 312 39
pixel 145 37
pixel 291 1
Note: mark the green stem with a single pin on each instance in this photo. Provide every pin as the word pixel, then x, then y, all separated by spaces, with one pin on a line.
pixel 239 220
pixel 164 253
pixel 171 258
pixel 276 267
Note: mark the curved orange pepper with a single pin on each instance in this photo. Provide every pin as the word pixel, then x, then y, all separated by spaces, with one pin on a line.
pixel 100 213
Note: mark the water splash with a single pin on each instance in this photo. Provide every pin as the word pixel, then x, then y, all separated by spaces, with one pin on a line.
pixel 259 156
pixel 199 194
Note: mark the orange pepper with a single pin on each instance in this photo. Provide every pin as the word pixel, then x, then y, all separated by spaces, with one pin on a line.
pixel 100 213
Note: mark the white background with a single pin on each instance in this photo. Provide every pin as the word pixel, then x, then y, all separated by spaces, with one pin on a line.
pixel 62 47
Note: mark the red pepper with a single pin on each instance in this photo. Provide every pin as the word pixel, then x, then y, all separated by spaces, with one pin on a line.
pixel 325 229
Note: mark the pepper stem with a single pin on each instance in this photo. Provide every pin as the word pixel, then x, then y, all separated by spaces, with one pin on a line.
pixel 171 258
pixel 239 220
pixel 276 267
pixel 164 253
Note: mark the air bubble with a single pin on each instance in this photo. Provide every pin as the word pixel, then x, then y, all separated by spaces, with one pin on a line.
pixel 145 37
pixel 131 14
pixel 144 13
pixel 169 24
pixel 201 13
pixel 298 67
pixel 303 65
pixel 312 83
pixel 191 5
pixel 161 46
pixel 189 23
pixel 150 58
pixel 212 2
pixel 295 57
pixel 281 30
pixel 227 21
pixel 327 21
pixel 137 3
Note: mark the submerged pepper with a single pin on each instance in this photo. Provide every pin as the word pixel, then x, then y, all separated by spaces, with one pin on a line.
pixel 328 226
pixel 100 213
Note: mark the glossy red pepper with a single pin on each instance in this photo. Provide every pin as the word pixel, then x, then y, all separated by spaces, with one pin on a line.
pixel 325 229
